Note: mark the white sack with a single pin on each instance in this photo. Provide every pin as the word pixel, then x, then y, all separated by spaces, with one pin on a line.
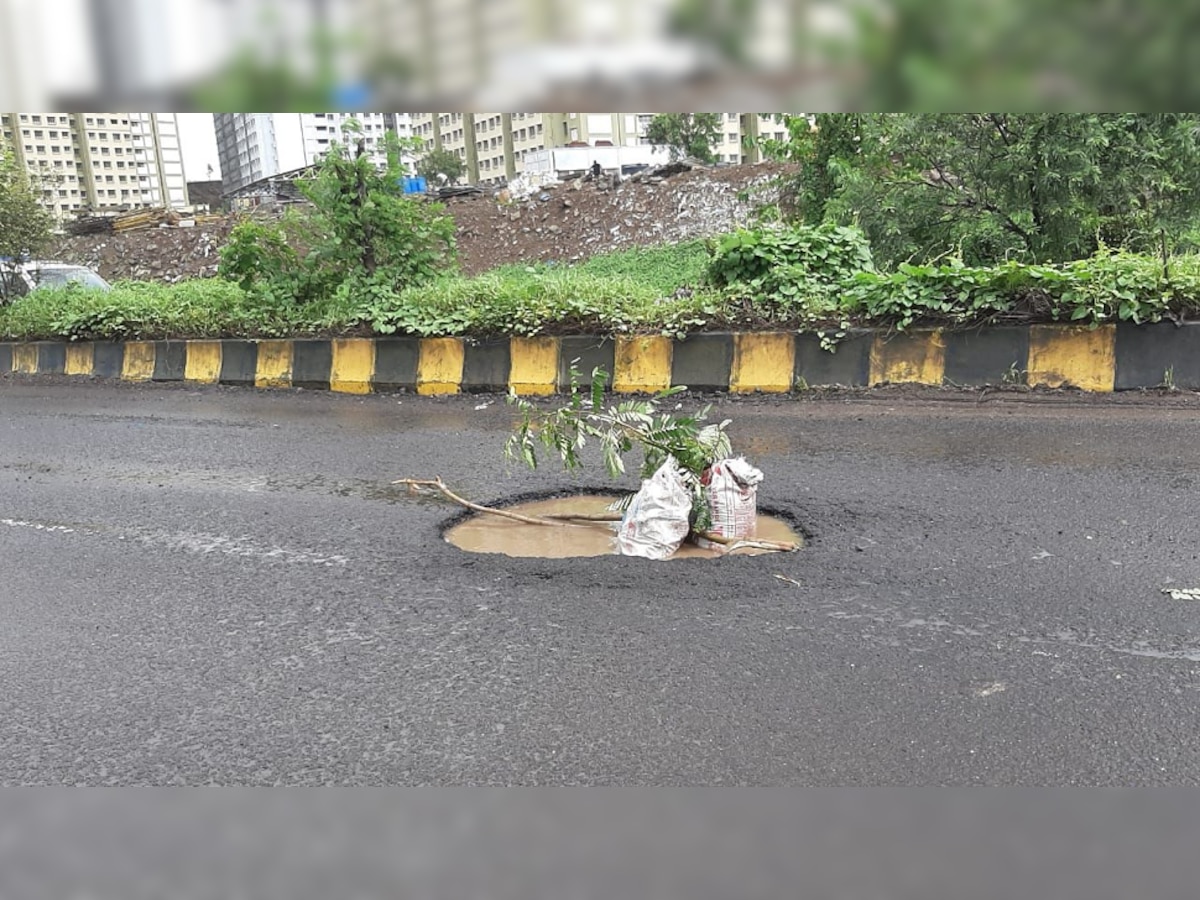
pixel 657 519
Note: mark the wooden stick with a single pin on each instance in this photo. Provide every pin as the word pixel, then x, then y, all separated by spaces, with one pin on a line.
pixel 735 543
pixel 586 517
pixel 438 484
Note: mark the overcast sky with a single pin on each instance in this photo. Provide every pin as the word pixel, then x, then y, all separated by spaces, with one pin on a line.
pixel 199 144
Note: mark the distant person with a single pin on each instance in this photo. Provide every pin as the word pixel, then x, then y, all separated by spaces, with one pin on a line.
pixel 596 170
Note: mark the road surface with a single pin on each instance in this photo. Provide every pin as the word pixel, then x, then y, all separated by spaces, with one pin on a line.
pixel 217 585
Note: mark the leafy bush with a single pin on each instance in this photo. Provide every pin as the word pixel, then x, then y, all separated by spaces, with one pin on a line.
pixel 1110 286
pixel 787 273
pixel 361 232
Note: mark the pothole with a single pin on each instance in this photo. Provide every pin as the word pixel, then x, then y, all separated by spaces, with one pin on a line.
pixel 494 534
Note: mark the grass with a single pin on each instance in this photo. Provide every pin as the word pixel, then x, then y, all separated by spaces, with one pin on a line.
pixel 642 290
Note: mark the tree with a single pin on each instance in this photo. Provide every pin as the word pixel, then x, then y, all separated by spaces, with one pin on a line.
pixel 25 225
pixel 687 134
pixel 1046 187
pixel 361 231
pixel 441 162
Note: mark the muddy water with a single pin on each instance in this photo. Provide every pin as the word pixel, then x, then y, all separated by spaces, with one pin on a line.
pixel 494 534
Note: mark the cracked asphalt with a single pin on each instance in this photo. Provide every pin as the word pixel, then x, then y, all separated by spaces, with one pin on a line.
pixel 221 586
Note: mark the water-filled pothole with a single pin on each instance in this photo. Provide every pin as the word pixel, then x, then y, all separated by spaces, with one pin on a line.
pixel 494 534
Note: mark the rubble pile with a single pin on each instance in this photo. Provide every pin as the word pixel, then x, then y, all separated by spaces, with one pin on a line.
pixel 531 220
pixel 152 254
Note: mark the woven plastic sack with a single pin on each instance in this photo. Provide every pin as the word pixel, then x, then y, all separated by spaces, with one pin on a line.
pixel 732 499
pixel 656 521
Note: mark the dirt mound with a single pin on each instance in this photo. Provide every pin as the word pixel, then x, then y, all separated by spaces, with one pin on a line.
pixel 566 222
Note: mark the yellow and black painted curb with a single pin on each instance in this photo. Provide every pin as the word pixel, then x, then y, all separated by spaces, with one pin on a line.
pixel 1104 358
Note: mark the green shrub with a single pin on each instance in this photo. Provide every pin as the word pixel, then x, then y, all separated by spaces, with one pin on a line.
pixel 759 258
pixel 360 231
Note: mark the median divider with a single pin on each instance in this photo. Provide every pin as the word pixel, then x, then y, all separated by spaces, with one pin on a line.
pixel 1100 359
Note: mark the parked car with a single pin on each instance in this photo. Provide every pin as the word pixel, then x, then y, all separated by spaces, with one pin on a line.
pixel 19 278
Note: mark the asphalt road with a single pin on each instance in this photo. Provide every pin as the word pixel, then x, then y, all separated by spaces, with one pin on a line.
pixel 220 585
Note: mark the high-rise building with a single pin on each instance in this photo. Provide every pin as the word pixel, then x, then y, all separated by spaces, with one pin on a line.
pixel 246 148
pixel 494 146
pixel 99 162
pixel 254 146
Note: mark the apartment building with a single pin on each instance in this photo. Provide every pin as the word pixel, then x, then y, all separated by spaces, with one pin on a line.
pixel 254 146
pixel 495 146
pixel 99 162
pixel 740 133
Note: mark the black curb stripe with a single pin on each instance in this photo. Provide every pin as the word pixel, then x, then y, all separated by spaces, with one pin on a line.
pixel 592 352
pixel 6 354
pixel 108 359
pixel 849 365
pixel 396 362
pixel 239 362
pixel 986 356
pixel 170 360
pixel 1145 354
pixel 51 358
pixel 312 361
pixel 486 365
pixel 703 362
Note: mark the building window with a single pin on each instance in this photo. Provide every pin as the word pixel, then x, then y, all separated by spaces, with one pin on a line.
pixel 37 120
pixel 90 120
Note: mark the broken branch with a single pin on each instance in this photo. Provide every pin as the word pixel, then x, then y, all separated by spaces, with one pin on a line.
pixel 440 485
pixel 738 543
pixel 586 517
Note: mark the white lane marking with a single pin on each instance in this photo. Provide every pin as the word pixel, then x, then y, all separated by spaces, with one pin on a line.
pixel 201 543
pixel 218 543
pixel 36 526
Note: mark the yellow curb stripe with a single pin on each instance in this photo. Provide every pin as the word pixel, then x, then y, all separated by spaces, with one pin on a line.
pixel 274 368
pixel 917 357
pixel 138 363
pixel 1077 356
pixel 440 366
pixel 533 367
pixel 203 362
pixel 353 365
pixel 80 359
pixel 763 362
pixel 642 364
pixel 24 359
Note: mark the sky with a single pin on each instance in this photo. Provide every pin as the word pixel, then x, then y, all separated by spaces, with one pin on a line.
pixel 198 142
